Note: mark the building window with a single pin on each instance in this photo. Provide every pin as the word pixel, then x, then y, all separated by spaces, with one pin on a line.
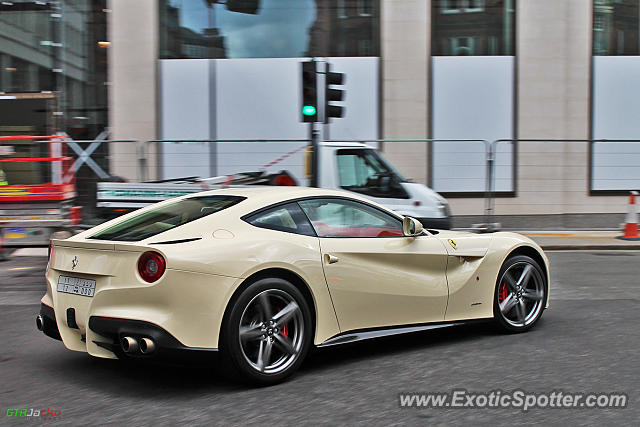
pixel 620 42
pixel 342 12
pixel 462 46
pixel 365 7
pixel 472 27
pixel 462 6
pixel 28 53
pixel 364 47
pixel 616 24
pixel 342 48
pixel 268 28
pixel 493 45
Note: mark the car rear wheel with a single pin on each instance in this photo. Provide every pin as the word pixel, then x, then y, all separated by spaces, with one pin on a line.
pixel 520 294
pixel 268 331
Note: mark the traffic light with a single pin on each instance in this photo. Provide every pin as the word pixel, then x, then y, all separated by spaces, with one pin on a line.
pixel 309 107
pixel 330 94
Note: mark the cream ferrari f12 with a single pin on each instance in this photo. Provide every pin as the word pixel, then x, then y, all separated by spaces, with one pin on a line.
pixel 261 275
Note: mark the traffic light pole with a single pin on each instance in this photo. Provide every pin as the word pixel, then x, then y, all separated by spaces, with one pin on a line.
pixel 314 135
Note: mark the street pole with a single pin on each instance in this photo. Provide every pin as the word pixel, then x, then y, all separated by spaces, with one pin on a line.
pixel 490 187
pixel 313 137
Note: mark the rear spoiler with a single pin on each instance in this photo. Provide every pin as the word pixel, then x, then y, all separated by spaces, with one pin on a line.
pixel 102 245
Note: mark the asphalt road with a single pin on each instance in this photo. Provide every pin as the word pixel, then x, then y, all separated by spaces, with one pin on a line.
pixel 588 341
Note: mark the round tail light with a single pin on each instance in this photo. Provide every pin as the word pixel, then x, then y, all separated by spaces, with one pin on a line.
pixel 151 266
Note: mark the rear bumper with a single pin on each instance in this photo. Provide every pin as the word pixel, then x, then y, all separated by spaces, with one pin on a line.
pixel 181 313
pixel 115 329
pixel 167 346
pixel 49 326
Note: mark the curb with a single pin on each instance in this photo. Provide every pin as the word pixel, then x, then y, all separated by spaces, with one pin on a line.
pixel 590 247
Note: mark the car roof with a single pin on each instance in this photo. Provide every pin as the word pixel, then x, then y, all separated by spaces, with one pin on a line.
pixel 260 196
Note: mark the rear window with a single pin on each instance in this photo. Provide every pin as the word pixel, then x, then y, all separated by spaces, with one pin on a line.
pixel 160 219
pixel 288 218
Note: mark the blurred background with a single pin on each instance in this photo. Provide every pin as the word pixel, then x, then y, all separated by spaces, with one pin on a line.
pixel 518 112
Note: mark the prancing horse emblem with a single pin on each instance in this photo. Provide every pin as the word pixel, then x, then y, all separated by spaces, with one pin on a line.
pixel 452 243
pixel 74 262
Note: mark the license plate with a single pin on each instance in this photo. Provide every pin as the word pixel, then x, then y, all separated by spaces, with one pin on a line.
pixel 76 286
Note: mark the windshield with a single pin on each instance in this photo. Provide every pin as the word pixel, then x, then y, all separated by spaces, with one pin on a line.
pixel 163 218
pixel 366 172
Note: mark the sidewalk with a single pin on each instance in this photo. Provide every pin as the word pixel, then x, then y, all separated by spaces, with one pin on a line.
pixel 580 240
pixel 548 240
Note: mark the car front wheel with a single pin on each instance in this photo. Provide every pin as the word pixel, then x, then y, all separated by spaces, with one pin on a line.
pixel 268 331
pixel 520 294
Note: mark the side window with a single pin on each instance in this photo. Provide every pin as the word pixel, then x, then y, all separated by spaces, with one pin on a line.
pixel 346 218
pixel 288 218
pixel 366 172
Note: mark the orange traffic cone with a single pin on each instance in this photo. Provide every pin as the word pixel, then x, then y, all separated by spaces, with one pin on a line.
pixel 631 223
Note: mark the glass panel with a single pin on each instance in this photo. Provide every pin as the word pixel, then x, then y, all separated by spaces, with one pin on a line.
pixel 472 27
pixel 268 28
pixel 163 218
pixel 33 43
pixel 345 218
pixel 365 172
pixel 616 24
pixel 288 218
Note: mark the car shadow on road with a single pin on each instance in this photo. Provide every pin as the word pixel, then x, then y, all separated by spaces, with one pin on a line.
pixel 429 340
pixel 197 375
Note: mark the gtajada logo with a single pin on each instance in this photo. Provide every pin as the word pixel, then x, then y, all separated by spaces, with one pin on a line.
pixel 30 412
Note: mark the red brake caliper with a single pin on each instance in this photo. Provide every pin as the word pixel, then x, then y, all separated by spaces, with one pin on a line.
pixel 502 292
pixel 285 328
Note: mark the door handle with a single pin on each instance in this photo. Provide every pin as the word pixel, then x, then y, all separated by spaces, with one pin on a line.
pixel 330 259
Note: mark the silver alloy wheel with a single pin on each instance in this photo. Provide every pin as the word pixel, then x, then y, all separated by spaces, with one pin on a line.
pixel 521 294
pixel 271 331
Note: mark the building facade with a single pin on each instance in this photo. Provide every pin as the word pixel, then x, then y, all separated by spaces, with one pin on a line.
pixel 544 77
pixel 54 51
pixel 53 78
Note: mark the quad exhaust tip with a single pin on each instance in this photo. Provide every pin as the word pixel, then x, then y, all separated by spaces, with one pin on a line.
pixel 133 345
pixel 39 322
pixel 129 344
pixel 147 346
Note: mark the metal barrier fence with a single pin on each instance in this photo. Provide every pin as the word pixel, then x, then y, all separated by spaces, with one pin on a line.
pixel 223 157
pixel 612 166
pixel 590 167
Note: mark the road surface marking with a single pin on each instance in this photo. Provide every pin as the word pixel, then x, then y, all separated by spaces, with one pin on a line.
pixel 550 234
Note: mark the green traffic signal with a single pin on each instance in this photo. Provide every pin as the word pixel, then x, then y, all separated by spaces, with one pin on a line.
pixel 308 110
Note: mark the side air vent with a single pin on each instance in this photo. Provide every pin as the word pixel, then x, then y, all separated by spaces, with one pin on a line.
pixel 173 242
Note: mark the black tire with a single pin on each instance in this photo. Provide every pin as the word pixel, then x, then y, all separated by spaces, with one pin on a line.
pixel 234 352
pixel 531 300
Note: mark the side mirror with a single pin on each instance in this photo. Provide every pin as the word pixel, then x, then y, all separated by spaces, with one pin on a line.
pixel 411 227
